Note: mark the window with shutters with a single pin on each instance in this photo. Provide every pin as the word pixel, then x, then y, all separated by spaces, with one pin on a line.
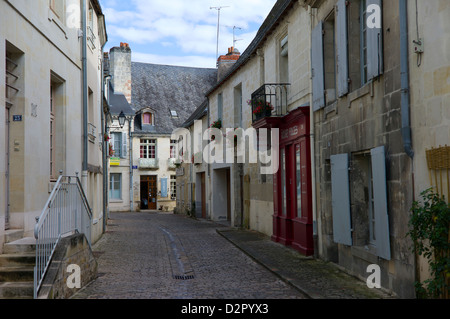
pixel 359 201
pixel 364 44
pixel 119 143
pixel 356 48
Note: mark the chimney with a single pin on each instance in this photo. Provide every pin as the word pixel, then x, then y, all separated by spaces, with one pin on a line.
pixel 120 66
pixel 225 62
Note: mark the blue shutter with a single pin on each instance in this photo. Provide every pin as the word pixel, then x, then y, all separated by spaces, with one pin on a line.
pixel 340 191
pixel 380 203
pixel 317 67
pixel 374 46
pixel 164 187
pixel 124 149
pixel 341 48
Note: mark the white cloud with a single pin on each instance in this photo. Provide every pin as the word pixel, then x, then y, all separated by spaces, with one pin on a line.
pixel 191 26
pixel 187 60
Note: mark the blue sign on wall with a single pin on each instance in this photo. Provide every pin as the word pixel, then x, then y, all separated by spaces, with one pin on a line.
pixel 163 187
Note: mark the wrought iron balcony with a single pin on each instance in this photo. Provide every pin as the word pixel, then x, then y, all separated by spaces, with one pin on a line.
pixel 269 100
pixel 148 163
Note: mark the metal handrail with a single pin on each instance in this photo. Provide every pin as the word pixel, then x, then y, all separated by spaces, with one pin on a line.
pixel 66 212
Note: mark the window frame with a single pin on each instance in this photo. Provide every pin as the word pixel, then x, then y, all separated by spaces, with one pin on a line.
pixel 148 148
pixel 112 183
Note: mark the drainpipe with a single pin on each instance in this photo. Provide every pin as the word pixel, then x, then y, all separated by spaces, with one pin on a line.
pixel 103 78
pixel 404 66
pixel 313 162
pixel 130 150
pixel 85 96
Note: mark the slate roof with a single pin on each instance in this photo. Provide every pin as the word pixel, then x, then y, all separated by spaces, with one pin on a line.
pixel 163 88
pixel 200 112
pixel 118 103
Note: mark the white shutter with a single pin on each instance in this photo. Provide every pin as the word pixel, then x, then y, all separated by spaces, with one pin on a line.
pixel 124 152
pixel 374 45
pixel 342 48
pixel 317 71
pixel 380 203
pixel 340 192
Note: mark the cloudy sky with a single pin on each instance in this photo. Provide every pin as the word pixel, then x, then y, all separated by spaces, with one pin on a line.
pixel 181 32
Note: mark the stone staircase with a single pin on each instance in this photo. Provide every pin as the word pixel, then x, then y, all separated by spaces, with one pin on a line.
pixel 17 266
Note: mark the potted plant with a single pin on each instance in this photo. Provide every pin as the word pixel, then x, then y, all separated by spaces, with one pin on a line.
pixel 218 125
pixel 261 107
pixel 111 150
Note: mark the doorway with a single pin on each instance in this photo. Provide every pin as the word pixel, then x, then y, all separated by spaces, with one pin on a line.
pixel 203 194
pixel 149 192
pixel 7 166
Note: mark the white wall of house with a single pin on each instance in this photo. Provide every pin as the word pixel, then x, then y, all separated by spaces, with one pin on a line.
pixel 162 155
pixel 46 49
pixel 264 67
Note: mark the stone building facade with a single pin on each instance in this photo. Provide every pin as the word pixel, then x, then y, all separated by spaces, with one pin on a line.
pixel 41 92
pixel 364 175
pixel 162 98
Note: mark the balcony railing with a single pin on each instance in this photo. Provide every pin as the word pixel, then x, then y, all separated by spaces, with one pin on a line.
pixel 270 100
pixel 148 163
pixel 172 163
pixel 67 211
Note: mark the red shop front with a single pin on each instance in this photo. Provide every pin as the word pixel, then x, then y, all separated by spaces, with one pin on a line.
pixel 292 219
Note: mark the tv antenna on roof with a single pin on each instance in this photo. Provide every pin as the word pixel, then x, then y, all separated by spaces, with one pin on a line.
pixel 218 26
pixel 234 35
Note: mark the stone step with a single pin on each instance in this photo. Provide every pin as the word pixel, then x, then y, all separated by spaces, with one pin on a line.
pixel 16 274
pixel 13 235
pixel 12 260
pixel 16 290
pixel 24 245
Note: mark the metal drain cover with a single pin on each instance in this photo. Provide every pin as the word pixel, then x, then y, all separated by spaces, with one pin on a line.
pixel 184 277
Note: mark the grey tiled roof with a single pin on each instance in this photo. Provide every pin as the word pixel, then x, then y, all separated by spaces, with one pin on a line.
pixel 164 88
pixel 118 103
pixel 200 112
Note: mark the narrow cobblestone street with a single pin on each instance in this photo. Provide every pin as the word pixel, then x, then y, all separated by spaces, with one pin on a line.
pixel 166 256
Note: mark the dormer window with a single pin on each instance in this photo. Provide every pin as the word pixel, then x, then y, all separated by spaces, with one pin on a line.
pixel 147 118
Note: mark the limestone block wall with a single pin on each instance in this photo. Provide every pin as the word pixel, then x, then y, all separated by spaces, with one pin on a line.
pixel 430 91
pixel 366 118
pixel 73 250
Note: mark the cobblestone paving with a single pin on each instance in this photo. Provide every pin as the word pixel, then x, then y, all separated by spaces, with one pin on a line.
pixel 142 253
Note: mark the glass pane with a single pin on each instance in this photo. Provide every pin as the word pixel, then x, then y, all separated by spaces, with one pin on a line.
pixel 299 182
pixel 283 181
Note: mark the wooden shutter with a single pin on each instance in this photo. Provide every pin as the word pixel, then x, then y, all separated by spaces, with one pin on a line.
pixel 380 203
pixel 340 191
pixel 124 152
pixel 342 48
pixel 374 46
pixel 317 67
